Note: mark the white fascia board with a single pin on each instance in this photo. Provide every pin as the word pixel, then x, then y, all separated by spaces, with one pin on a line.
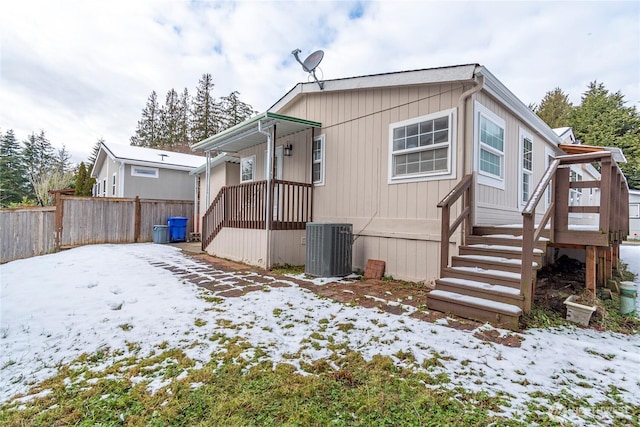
pixel 403 78
pixel 158 165
pixel 103 152
pixel 499 91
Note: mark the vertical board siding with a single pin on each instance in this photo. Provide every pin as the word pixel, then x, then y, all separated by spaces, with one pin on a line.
pixel 30 232
pixel 26 232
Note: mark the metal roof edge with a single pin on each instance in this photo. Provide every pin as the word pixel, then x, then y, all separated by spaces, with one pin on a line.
pixel 245 126
pixel 220 158
pixel 499 91
pixel 397 78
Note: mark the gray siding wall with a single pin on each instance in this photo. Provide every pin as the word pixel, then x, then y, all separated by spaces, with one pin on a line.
pixel 170 185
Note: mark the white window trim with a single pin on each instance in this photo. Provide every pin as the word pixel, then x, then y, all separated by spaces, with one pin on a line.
pixel 104 187
pixel 523 134
pixel 252 159
pixel 320 138
pixel 485 178
pixel 451 149
pixel 135 169
pixel 113 184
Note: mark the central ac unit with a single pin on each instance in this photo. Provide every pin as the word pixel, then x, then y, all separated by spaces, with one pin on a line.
pixel 328 249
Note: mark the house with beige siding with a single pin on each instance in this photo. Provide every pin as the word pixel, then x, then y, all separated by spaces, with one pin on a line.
pixel 128 171
pixel 432 168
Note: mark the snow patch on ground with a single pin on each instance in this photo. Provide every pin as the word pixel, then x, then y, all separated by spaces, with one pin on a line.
pixel 56 307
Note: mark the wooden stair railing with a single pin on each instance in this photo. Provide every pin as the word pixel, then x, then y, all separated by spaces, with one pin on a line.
pixel 463 188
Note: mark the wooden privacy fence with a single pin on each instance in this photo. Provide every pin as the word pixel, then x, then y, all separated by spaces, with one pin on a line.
pixel 77 221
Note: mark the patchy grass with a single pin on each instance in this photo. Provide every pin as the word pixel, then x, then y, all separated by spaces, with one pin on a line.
pixel 232 390
pixel 288 269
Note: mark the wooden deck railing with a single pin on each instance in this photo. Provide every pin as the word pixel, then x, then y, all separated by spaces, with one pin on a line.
pixel 612 208
pixel 245 206
pixel 463 188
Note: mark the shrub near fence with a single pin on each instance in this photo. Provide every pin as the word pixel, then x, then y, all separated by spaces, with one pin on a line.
pixel 77 221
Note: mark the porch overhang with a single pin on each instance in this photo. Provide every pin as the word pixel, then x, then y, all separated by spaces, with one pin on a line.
pixel 616 153
pixel 247 134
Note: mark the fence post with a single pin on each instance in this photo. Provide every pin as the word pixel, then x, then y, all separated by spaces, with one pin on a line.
pixel 136 220
pixel 58 219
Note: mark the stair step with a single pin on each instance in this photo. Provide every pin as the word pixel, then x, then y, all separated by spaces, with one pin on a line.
pixel 499 251
pixel 513 265
pixel 497 313
pixel 513 229
pixel 494 277
pixel 498 293
pixel 504 240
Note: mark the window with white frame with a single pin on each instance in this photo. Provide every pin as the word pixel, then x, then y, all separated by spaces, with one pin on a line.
pixel 247 168
pixel 104 187
pixel 113 185
pixel 489 135
pixel 317 160
pixel 97 189
pixel 526 166
pixel 421 148
pixel 144 172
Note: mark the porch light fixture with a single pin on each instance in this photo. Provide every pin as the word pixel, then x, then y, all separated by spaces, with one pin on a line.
pixel 287 150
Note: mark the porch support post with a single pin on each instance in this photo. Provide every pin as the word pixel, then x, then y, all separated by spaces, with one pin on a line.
pixel 608 266
pixel 615 258
pixel 590 276
pixel 561 199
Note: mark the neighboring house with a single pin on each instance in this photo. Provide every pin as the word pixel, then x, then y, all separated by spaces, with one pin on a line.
pixel 128 171
pixel 634 214
pixel 390 154
pixel 223 170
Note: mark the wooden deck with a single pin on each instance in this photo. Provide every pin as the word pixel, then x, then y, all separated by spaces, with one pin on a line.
pixel 494 261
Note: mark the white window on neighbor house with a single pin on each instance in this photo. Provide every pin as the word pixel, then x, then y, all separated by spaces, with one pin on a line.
pixel 317 160
pixel 104 187
pixel 489 139
pixel 96 189
pixel 247 169
pixel 113 185
pixel 575 194
pixel 526 166
pixel 144 172
pixel 421 148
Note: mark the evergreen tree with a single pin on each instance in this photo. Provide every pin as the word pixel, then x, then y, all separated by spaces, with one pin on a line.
pixel 13 179
pixel 184 109
pixel 84 183
pixel 602 119
pixel 62 160
pixel 234 111
pixel 555 109
pixel 169 120
pixel 205 115
pixel 148 130
pixel 39 159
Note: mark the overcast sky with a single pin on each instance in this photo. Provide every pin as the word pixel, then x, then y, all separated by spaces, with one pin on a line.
pixel 83 70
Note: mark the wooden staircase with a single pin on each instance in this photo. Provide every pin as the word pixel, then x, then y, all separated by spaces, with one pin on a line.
pixel 483 282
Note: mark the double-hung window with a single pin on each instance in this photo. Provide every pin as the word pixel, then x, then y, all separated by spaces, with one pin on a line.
pixel 490 131
pixel 421 148
pixel 113 185
pixel 247 168
pixel 317 160
pixel 526 166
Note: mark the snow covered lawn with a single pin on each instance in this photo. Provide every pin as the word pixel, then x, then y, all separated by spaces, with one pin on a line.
pixel 131 300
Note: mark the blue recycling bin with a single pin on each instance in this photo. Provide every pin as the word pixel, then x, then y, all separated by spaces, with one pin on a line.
pixel 177 228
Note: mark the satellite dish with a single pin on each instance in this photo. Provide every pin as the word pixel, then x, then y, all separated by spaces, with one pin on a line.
pixel 311 63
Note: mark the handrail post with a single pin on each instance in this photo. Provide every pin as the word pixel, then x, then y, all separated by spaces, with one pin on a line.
pixel 526 277
pixel 444 239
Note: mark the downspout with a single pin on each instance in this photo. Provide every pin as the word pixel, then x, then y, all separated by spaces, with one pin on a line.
pixel 207 175
pixel 462 110
pixel 269 174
